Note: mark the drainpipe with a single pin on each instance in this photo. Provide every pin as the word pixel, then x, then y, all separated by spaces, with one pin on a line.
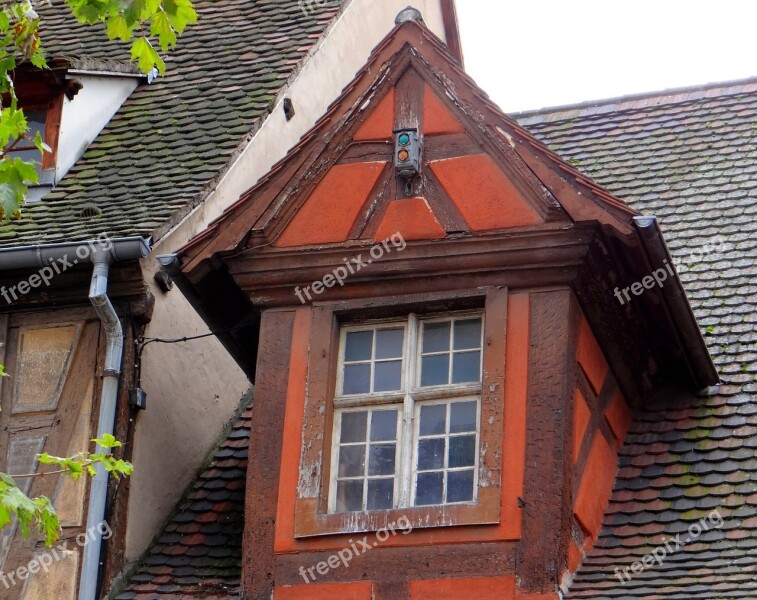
pixel 98 296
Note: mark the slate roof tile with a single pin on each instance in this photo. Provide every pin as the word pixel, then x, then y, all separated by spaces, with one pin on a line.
pixel 199 552
pixel 170 140
pixel 690 157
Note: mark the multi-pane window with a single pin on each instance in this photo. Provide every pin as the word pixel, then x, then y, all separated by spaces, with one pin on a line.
pixel 407 419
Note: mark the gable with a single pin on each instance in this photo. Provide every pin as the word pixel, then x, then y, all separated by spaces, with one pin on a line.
pixel 461 186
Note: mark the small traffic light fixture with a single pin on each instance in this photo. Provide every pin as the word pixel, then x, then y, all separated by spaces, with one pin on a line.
pixel 407 153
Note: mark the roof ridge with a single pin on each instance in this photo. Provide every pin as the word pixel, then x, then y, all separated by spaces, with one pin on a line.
pixel 679 95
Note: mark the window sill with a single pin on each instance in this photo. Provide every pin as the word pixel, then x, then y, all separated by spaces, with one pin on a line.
pixel 309 522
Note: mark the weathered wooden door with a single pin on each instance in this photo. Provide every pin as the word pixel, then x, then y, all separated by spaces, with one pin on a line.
pixel 48 404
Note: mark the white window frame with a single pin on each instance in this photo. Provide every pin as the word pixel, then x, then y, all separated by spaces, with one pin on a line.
pixel 408 401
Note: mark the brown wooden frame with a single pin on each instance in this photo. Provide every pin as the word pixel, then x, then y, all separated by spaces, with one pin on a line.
pixel 311 514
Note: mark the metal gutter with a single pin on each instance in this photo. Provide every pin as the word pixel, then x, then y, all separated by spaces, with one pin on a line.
pixel 694 347
pixel 42 255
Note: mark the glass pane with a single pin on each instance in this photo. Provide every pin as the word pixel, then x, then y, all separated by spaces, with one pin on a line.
pixel 27 155
pixel 380 494
pixel 353 427
pixel 467 334
pixel 462 451
pixel 357 345
pixel 462 417
pixel 431 454
pixel 35 119
pixel 352 461
pixel 433 419
pixel 349 495
pixel 435 370
pixel 384 425
pixel 435 337
pixel 428 488
pixel 389 343
pixel 460 486
pixel 357 379
pixel 388 376
pixel 381 459
pixel 466 367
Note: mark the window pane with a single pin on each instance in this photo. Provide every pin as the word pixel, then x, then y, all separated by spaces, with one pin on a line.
pixel 388 376
pixel 351 461
pixel 381 459
pixel 431 454
pixel 467 334
pixel 380 494
pixel 466 367
pixel 27 155
pixel 433 419
pixel 435 337
pixel 428 488
pixel 349 496
pixel 462 451
pixel 353 427
pixel 462 417
pixel 435 370
pixel 357 379
pixel 357 345
pixel 384 425
pixel 460 486
pixel 389 343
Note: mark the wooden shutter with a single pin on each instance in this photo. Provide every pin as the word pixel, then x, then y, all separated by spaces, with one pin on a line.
pixel 48 404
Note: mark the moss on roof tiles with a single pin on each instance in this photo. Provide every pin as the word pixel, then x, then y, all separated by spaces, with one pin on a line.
pixel 255 45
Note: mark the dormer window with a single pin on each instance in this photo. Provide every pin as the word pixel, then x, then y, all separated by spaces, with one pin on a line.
pixel 406 424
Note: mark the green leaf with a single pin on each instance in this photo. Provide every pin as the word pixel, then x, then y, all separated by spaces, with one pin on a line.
pixel 107 441
pixel 118 28
pixel 2 372
pixel 40 144
pixel 146 56
pixel 162 28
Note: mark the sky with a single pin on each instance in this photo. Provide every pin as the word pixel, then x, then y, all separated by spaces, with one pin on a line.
pixel 529 54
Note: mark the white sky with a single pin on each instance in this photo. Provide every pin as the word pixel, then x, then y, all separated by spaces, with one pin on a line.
pixel 529 54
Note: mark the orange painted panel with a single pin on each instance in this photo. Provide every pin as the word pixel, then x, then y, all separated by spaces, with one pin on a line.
pixel 325 591
pixel 295 407
pixel 619 417
pixel 379 124
pixel 329 213
pixel 480 588
pixel 437 117
pixel 486 198
pixel 575 557
pixel 413 218
pixel 596 486
pixel 581 416
pixel 590 356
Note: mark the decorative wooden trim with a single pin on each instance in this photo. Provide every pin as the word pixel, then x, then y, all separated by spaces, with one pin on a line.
pixel 451 30
pixel 52 130
pixel 266 439
pixel 311 512
pixel 406 563
pixel 524 258
pixel 547 510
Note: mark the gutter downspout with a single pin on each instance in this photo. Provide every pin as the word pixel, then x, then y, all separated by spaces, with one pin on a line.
pixel 98 296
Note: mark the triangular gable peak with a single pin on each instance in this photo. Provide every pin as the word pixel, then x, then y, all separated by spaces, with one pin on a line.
pixel 489 205
pixel 480 172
